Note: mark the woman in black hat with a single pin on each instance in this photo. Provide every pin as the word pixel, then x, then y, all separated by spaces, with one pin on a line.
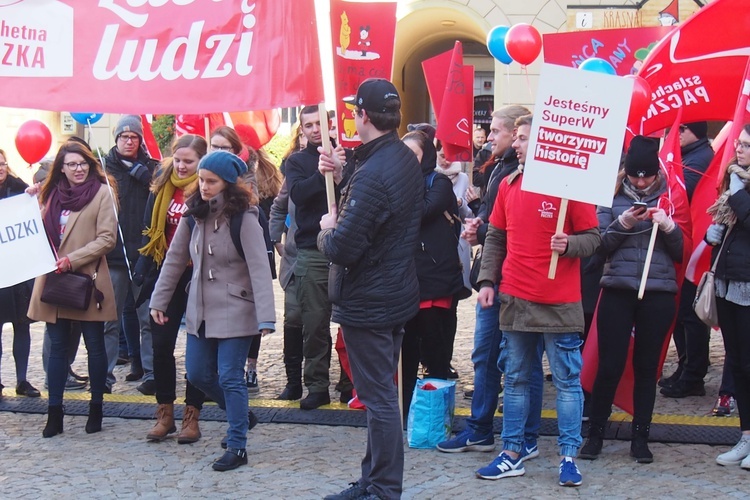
pixel 626 231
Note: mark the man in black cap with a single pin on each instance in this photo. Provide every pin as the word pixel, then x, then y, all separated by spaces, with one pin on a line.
pixel 373 278
pixel 691 335
pixel 132 169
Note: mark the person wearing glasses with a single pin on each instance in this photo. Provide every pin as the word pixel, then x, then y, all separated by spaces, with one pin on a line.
pixel 80 222
pixel 730 236
pixel 14 300
pixel 132 168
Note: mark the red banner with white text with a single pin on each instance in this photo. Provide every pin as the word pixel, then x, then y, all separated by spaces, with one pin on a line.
pixel 363 37
pixel 160 56
pixel 699 66
pixel 625 49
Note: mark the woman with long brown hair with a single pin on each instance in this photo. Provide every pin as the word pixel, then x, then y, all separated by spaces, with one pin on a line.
pixel 164 209
pixel 79 218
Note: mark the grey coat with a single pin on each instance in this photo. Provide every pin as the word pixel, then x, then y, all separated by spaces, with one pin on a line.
pixel 283 206
pixel 625 249
pixel 234 297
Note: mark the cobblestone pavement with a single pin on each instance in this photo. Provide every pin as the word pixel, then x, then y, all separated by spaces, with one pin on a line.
pixel 310 461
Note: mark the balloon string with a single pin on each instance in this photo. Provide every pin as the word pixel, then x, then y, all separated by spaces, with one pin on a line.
pixel 114 202
pixel 507 76
pixel 525 71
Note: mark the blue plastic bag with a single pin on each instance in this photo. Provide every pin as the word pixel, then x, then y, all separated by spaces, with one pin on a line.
pixel 431 413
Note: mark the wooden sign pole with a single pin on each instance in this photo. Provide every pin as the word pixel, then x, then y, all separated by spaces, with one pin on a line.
pixel 560 225
pixel 326 139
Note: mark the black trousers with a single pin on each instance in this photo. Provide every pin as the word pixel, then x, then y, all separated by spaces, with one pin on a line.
pixel 734 321
pixel 691 338
pixel 164 338
pixel 619 311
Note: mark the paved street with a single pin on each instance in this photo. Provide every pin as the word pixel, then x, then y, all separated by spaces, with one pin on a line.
pixel 310 461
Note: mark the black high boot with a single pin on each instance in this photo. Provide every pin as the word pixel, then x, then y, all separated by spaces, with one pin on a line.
pixel 54 421
pixel 136 369
pixel 639 444
pixel 94 423
pixel 593 446
pixel 292 364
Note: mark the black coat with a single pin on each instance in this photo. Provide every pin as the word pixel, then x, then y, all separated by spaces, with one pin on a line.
pixel 504 167
pixel 734 262
pixel 132 195
pixel 696 158
pixel 438 265
pixel 376 236
pixel 14 300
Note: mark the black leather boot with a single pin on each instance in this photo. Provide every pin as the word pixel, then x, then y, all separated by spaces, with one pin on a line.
pixel 639 444
pixel 54 421
pixel 136 369
pixel 94 423
pixel 593 446
pixel 231 459
pixel 293 389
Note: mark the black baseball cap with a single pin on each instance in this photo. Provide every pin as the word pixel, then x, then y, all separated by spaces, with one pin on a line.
pixel 372 95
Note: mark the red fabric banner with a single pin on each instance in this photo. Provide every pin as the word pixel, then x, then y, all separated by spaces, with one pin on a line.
pixel 625 49
pixel 165 56
pixel 699 66
pixel 363 35
pixel 451 88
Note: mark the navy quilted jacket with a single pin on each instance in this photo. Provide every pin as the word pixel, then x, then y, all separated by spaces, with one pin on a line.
pixel 376 237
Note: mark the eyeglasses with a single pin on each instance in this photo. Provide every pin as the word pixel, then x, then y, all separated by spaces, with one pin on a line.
pixel 128 138
pixel 742 145
pixel 75 166
pixel 216 147
pixel 3 164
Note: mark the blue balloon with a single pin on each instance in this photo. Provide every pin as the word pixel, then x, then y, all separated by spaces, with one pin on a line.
pixel 598 65
pixel 496 44
pixel 86 118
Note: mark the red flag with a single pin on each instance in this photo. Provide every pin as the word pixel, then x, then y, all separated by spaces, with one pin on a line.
pixel 699 74
pixel 706 191
pixel 148 137
pixel 451 90
pixel 363 39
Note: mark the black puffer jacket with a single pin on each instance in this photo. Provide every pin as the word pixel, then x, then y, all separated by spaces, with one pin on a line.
pixel 438 266
pixel 376 236
pixel 625 249
pixel 132 196
pixel 735 256
pixel 505 165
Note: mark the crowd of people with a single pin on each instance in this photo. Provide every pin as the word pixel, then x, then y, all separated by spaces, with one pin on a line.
pixel 383 262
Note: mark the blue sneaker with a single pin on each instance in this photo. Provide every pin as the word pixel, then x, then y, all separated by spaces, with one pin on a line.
pixel 569 473
pixel 529 451
pixel 502 466
pixel 468 441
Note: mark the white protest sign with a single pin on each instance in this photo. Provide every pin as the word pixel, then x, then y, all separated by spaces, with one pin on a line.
pixel 577 134
pixel 24 249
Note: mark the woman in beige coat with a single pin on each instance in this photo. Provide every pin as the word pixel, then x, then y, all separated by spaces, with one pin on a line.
pixel 79 218
pixel 230 297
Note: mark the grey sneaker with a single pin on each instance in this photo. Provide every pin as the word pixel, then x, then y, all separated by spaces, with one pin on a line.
pixel 355 490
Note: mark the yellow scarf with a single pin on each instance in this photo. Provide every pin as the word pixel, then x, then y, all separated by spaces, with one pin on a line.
pixel 156 248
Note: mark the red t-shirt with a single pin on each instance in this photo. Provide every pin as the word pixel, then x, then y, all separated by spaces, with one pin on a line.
pixel 530 220
pixel 176 208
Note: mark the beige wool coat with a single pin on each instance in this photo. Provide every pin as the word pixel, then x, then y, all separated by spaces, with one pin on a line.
pixel 88 237
pixel 234 297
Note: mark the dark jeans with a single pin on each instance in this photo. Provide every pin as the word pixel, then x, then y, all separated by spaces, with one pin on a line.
pixel 130 326
pixel 164 338
pixel 734 321
pixel 427 337
pixel 21 348
pixel 374 360
pixel 691 338
pixel 619 311
pixel 93 336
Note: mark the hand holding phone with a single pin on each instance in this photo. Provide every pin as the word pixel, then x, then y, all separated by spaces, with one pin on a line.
pixel 639 206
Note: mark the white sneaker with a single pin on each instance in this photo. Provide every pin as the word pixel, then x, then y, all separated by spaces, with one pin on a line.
pixel 746 463
pixel 737 455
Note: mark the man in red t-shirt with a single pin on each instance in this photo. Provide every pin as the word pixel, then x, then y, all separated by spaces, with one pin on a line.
pixel 517 251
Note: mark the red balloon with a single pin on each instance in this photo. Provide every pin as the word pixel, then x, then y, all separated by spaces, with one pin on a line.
pixel 523 43
pixel 641 99
pixel 33 141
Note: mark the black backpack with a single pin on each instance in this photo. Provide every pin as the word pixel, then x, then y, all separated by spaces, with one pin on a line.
pixel 235 226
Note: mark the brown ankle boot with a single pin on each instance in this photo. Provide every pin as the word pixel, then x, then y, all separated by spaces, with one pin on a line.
pixel 190 432
pixel 164 423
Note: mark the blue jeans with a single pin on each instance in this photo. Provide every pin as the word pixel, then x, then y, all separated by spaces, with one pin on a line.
pixel 217 367
pixel 564 356
pixel 489 363
pixel 57 369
